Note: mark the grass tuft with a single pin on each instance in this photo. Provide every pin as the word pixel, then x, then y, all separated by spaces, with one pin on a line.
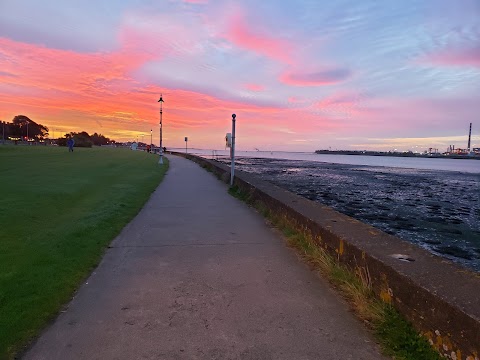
pixel 241 195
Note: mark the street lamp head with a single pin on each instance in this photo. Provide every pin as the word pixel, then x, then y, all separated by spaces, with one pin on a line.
pixel 234 116
pixel 161 99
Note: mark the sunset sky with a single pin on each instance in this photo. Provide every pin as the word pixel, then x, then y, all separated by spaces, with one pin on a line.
pixel 300 75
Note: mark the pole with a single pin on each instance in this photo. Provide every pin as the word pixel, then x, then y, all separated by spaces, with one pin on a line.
pixel 469 137
pixel 151 138
pixel 232 170
pixel 27 132
pixel 161 140
pixel 3 135
pixel 186 146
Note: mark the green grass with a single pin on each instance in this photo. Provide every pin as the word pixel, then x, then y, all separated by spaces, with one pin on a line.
pixel 58 212
pixel 397 336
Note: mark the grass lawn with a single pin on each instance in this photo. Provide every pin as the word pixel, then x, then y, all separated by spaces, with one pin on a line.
pixel 58 212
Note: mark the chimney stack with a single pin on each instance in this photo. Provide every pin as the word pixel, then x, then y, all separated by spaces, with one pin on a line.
pixel 469 137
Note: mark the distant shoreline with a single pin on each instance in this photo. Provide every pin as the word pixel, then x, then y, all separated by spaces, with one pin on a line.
pixel 397 154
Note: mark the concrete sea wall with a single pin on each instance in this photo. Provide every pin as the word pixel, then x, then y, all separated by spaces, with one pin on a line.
pixel 441 299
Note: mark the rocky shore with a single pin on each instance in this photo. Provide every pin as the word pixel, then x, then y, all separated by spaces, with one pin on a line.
pixel 438 210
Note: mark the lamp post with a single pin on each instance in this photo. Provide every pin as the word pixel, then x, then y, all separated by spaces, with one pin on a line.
pixel 151 138
pixel 27 131
pixel 161 143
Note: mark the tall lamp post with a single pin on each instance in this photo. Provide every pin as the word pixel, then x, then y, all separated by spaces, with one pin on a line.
pixel 151 138
pixel 161 143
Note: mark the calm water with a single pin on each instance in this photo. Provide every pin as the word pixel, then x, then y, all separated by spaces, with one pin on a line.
pixel 462 165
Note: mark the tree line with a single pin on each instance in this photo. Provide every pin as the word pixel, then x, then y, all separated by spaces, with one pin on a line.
pixel 23 128
pixel 83 139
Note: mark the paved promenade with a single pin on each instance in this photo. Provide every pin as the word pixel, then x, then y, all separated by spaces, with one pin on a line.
pixel 199 275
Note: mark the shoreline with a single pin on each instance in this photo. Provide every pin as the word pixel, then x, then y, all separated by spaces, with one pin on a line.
pixel 393 154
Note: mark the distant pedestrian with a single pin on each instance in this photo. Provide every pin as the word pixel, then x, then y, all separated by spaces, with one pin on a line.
pixel 70 143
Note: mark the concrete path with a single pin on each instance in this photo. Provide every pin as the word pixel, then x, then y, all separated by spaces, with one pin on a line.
pixel 199 275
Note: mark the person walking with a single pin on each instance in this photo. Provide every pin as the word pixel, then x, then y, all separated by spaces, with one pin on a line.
pixel 70 143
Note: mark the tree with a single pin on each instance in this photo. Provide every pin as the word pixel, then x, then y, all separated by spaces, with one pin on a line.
pixel 62 141
pixel 82 139
pixel 18 128
pixel 99 139
pixel 6 129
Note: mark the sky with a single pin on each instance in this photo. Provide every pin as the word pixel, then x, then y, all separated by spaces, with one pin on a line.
pixel 300 75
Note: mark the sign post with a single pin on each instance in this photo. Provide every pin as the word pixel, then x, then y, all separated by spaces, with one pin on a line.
pixel 161 125
pixel 232 171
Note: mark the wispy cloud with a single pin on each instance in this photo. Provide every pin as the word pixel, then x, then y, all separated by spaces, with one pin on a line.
pixel 202 2
pixel 319 78
pixel 462 57
pixel 254 87
pixel 85 27
pixel 244 35
pixel 6 74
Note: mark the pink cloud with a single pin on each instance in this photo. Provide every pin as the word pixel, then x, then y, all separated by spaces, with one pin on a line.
pixel 156 35
pixel 254 87
pixel 455 57
pixel 242 34
pixel 36 65
pixel 344 104
pixel 320 78
pixel 52 81
pixel 297 100
pixel 70 91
